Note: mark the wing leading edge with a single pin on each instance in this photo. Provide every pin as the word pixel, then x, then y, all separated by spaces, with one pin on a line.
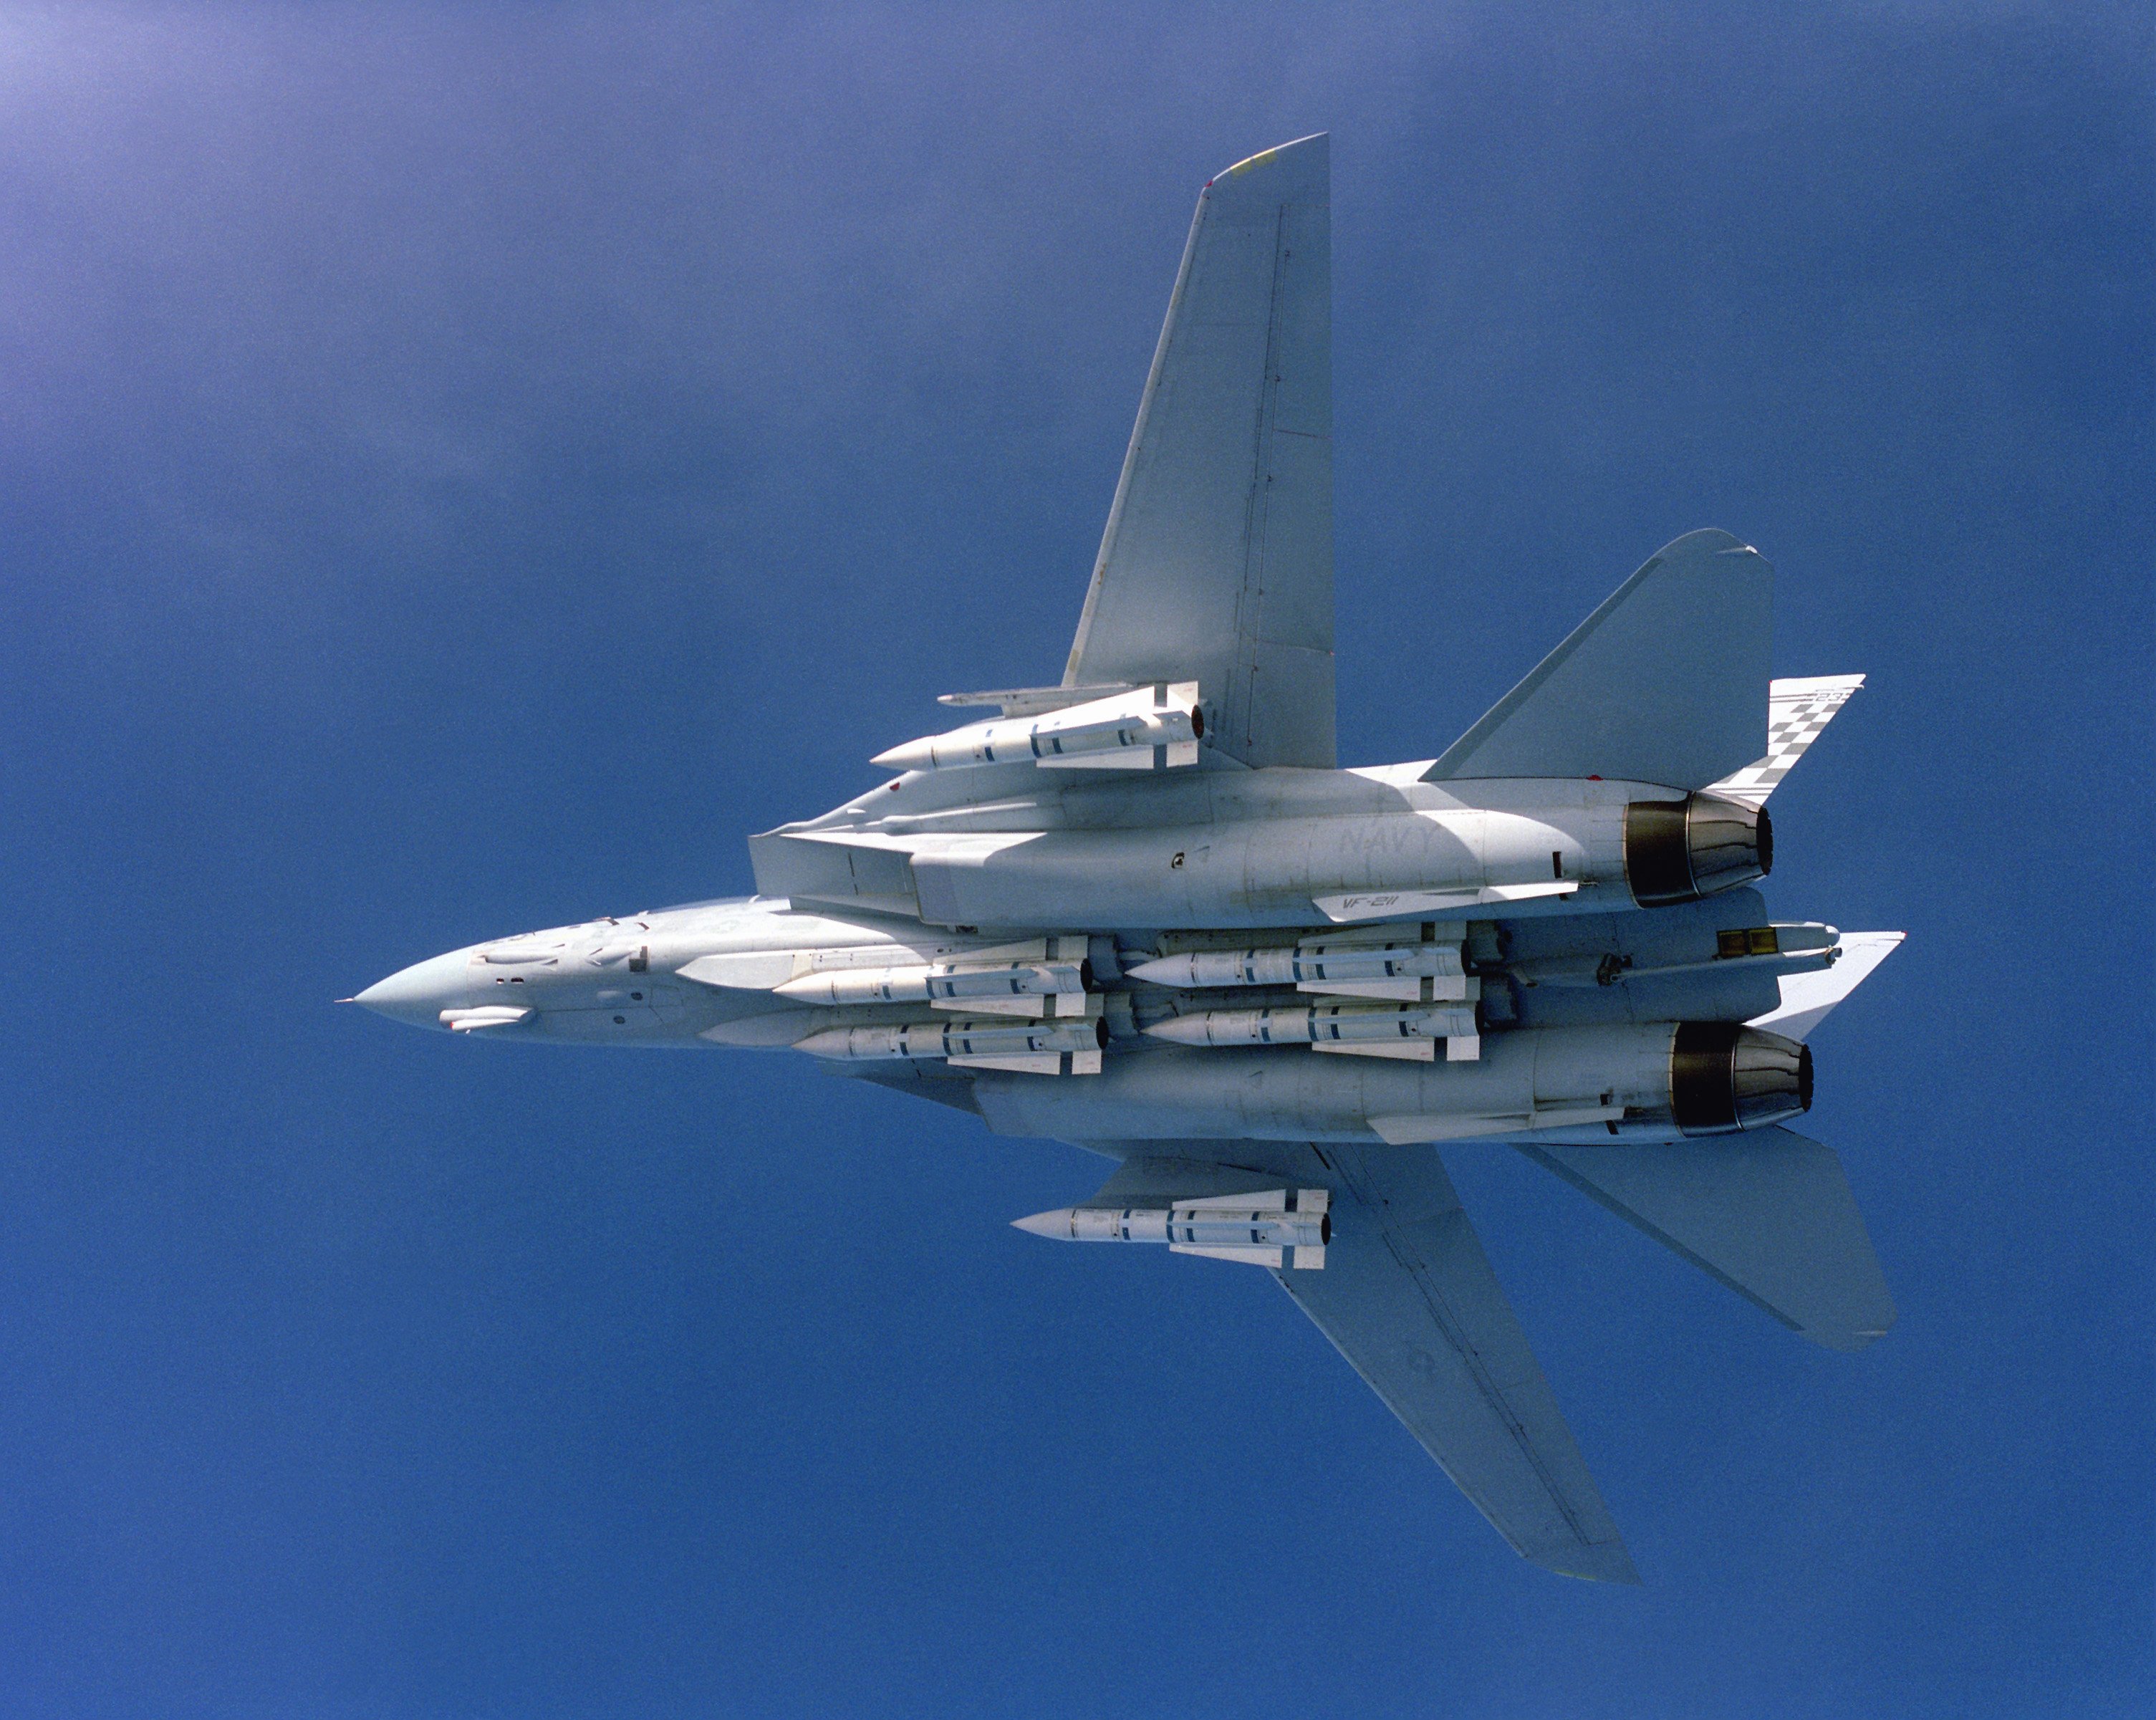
pixel 1408 1298
pixel 1217 562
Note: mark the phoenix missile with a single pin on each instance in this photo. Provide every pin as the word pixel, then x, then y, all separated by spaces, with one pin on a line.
pixel 1257 1227
pixel 1324 1026
pixel 957 1040
pixel 1122 730
pixel 937 983
pixel 1310 965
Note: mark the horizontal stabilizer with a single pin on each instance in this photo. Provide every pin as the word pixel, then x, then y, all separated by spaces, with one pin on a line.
pixel 1665 683
pixel 1798 712
pixel 1769 1213
pixel 1808 999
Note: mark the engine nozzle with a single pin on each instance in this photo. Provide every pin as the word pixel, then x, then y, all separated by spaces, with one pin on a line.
pixel 1724 1078
pixel 1679 850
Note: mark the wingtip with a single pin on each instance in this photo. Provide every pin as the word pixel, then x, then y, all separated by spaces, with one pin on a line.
pixel 1317 142
pixel 1879 1320
pixel 1608 1562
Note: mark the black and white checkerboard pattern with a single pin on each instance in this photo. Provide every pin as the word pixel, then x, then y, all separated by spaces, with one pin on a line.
pixel 1797 711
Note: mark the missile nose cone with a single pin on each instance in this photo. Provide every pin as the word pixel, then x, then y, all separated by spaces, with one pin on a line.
pixel 1176 1029
pixel 418 995
pixel 914 754
pixel 1056 1223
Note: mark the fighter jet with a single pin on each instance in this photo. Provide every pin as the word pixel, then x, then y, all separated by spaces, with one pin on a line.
pixel 1144 911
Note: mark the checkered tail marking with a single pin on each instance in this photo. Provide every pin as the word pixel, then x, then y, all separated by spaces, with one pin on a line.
pixel 1797 712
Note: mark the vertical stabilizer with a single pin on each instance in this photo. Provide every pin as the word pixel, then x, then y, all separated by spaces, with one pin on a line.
pixel 1665 683
pixel 1798 712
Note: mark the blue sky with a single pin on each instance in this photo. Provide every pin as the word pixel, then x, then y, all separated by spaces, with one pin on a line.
pixel 461 468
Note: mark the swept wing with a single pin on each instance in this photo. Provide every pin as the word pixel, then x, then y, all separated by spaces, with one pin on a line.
pixel 1407 1297
pixel 1217 562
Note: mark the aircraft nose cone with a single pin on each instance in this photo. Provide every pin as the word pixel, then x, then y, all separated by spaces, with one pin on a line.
pixel 420 993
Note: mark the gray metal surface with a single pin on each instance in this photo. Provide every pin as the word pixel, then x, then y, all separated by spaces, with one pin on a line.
pixel 1769 1213
pixel 1217 561
pixel 1665 682
pixel 1407 1297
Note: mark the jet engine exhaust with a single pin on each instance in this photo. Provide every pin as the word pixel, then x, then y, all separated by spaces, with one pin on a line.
pixel 1679 850
pixel 1724 1078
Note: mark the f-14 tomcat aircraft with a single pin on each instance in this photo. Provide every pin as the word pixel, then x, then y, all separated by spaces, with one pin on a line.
pixel 1145 911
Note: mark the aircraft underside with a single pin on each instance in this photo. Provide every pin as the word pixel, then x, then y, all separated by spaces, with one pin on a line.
pixel 1145 911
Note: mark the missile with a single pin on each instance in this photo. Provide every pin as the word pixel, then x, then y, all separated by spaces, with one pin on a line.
pixel 860 985
pixel 1310 964
pixel 1252 1227
pixel 938 983
pixel 957 1039
pixel 1122 729
pixel 1325 1024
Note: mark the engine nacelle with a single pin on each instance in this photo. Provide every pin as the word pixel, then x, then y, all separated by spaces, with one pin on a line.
pixel 1679 850
pixel 1652 1080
